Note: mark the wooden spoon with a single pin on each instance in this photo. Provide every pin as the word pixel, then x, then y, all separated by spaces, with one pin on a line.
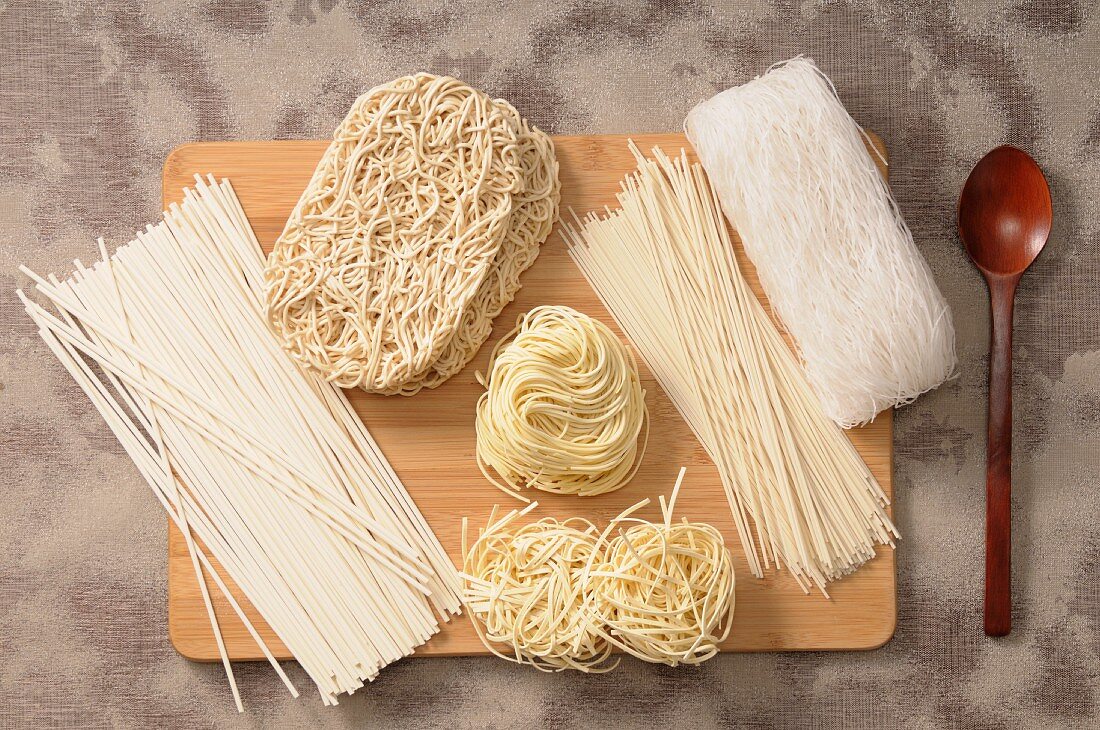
pixel 1004 221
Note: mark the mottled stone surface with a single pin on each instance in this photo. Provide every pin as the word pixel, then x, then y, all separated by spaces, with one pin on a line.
pixel 92 98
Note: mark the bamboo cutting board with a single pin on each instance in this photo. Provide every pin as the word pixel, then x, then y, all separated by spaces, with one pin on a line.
pixel 429 438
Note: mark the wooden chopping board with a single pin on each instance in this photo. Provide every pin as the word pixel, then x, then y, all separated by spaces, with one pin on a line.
pixel 429 438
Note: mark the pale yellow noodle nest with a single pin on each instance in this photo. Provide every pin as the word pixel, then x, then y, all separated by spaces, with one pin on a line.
pixel 564 410
pixel 525 594
pixel 557 596
pixel 411 235
pixel 664 592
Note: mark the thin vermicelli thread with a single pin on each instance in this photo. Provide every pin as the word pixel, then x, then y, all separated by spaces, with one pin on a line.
pixel 833 253
pixel 664 266
pixel 563 409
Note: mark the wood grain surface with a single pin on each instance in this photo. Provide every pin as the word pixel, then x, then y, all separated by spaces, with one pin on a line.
pixel 1005 217
pixel 429 438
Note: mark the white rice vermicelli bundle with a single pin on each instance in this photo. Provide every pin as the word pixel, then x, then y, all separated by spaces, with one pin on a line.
pixel 834 255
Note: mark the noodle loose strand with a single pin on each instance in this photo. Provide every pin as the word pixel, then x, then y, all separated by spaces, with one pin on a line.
pixel 557 595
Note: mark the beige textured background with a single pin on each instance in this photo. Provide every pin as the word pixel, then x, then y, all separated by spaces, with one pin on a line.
pixel 91 101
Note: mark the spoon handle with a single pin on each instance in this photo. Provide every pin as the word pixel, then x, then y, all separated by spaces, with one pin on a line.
pixel 998 475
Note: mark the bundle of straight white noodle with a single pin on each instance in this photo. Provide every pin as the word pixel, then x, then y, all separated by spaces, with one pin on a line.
pixel 833 253
pixel 664 266
pixel 264 463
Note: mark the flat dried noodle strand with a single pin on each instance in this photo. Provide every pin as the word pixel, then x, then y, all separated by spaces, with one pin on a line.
pixel 264 467
pixel 555 595
pixel 664 591
pixel 524 592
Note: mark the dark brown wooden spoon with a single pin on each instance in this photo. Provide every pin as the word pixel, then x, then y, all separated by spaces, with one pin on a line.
pixel 1004 221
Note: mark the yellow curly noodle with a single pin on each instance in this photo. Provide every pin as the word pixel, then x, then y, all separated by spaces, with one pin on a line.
pixel 523 590
pixel 664 591
pixel 563 409
pixel 556 595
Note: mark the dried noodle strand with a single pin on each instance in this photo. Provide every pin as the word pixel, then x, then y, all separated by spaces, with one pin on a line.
pixel 525 595
pixel 411 235
pixel 664 591
pixel 833 253
pixel 564 410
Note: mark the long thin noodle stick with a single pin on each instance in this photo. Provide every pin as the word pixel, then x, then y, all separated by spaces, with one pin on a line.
pixel 166 465
pixel 663 263
pixel 129 435
pixel 264 467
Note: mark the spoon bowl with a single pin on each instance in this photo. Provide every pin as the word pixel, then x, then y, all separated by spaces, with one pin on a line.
pixel 1005 212
pixel 1004 221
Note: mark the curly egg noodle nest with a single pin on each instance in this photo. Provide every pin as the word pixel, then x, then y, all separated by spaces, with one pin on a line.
pixel 411 236
pixel 560 595
pixel 563 410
